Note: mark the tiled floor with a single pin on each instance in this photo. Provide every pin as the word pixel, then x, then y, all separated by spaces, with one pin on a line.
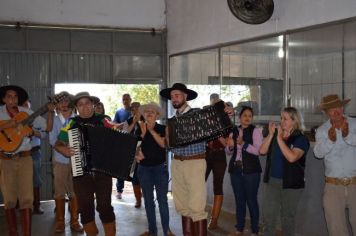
pixel 129 220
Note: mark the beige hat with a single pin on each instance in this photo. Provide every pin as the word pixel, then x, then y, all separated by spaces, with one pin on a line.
pixel 332 101
pixel 153 106
pixel 80 95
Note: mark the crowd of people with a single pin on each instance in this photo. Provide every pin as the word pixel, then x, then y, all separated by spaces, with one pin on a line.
pixel 285 147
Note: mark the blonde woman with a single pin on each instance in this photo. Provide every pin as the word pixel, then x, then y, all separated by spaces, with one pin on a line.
pixel 286 148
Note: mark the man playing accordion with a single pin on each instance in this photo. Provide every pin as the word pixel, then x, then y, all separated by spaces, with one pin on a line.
pixel 97 183
pixel 188 168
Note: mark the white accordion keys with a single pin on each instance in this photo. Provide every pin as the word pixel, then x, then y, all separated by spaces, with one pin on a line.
pixel 76 160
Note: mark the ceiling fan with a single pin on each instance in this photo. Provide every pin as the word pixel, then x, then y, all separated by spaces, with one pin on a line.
pixel 252 11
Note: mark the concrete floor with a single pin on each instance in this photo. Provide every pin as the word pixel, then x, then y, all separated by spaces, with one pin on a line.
pixel 129 220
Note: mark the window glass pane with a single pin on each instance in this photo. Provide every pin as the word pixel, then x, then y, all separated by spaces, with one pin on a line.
pixel 350 66
pixel 254 74
pixel 315 69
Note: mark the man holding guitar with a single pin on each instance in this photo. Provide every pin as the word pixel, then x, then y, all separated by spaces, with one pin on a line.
pixel 15 155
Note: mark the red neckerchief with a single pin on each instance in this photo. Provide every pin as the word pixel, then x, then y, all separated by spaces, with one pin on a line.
pixel 12 115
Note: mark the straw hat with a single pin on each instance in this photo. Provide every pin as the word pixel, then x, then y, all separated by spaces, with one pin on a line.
pixel 332 101
pixel 80 95
pixel 153 106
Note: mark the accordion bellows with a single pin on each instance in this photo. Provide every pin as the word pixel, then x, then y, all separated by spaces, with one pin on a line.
pixel 197 126
pixel 107 151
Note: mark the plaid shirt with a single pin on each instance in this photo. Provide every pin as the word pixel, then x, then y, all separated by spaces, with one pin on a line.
pixel 191 149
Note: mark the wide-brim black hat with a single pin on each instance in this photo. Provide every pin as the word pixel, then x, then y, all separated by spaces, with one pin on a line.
pixel 166 93
pixel 21 93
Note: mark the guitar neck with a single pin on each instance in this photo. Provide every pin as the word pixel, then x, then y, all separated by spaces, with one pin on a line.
pixel 29 120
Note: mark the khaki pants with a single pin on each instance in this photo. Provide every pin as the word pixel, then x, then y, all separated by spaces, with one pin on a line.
pixel 189 188
pixel 336 199
pixel 63 180
pixel 16 182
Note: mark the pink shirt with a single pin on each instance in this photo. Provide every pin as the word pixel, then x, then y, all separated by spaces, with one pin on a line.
pixel 250 148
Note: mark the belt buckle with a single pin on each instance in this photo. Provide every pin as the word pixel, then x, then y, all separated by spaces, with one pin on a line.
pixel 10 155
pixel 345 181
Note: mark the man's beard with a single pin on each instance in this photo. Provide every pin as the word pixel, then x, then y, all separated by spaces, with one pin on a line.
pixel 178 105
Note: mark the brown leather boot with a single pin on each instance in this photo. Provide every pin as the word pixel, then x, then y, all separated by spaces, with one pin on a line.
pixel 60 209
pixel 200 228
pixel 36 202
pixel 73 209
pixel 215 211
pixel 138 195
pixel 26 215
pixel 11 221
pixel 90 229
pixel 187 225
pixel 110 228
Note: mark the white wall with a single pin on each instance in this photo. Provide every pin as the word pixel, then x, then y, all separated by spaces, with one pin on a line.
pixel 195 24
pixel 112 13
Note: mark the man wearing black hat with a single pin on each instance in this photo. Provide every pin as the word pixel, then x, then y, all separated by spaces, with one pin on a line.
pixel 97 183
pixel 16 165
pixel 188 169
pixel 336 144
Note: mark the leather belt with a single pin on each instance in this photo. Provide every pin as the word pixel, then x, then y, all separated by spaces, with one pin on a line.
pixel 8 156
pixel 192 157
pixel 341 181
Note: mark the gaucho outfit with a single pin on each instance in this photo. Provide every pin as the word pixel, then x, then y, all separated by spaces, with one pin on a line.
pixel 188 185
pixel 92 183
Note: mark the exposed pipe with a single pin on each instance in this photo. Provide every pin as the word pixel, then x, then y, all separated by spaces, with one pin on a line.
pixel 19 25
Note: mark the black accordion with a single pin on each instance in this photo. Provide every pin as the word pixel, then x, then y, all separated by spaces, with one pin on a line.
pixel 101 149
pixel 201 125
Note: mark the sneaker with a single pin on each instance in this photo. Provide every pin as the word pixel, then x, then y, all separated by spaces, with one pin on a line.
pixel 119 195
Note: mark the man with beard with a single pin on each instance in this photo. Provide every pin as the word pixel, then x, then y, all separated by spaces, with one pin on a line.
pixel 188 169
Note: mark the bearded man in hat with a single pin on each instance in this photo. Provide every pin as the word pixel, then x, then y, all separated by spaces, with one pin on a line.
pixel 17 166
pixel 336 144
pixel 97 183
pixel 188 168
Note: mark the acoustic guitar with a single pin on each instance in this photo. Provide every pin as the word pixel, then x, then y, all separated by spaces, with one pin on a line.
pixel 11 138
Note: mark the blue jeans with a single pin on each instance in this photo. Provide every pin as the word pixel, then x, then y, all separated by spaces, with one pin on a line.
pixel 155 177
pixel 120 183
pixel 245 188
pixel 36 160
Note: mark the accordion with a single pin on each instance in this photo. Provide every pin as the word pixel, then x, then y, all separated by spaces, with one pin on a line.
pixel 100 149
pixel 201 125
